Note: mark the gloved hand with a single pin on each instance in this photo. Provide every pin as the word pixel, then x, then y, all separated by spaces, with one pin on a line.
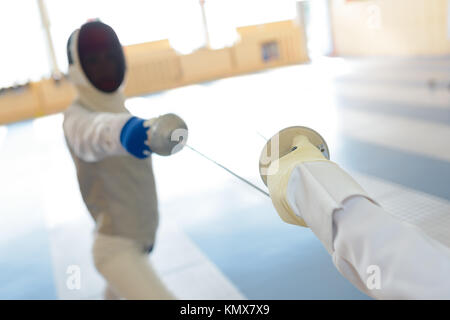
pixel 134 138
pixel 167 135
pixel 305 187
pixel 281 169
pixel 164 135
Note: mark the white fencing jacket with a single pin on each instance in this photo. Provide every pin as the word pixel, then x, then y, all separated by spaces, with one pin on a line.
pixel 118 189
pixel 384 257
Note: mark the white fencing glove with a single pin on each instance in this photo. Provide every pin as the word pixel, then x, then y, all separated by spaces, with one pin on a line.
pixel 167 134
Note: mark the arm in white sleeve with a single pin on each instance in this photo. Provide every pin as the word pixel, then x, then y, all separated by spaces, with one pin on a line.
pixel 364 240
pixel 94 135
pixel 387 258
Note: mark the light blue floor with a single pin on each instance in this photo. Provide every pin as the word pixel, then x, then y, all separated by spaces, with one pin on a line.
pixel 411 170
pixel 262 256
pixel 265 258
pixel 438 115
pixel 25 265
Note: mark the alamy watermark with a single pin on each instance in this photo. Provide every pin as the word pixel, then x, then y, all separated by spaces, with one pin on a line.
pixel 373 281
pixel 73 281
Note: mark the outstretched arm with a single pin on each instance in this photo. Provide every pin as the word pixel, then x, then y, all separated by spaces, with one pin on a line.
pixel 387 258
pixel 381 255
pixel 96 135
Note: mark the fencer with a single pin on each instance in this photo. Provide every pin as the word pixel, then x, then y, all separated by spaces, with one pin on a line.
pixel 363 239
pixel 112 152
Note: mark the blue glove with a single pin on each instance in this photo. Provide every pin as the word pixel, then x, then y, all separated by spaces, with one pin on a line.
pixel 134 137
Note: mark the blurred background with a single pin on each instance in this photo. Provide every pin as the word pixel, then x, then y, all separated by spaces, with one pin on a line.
pixel 371 76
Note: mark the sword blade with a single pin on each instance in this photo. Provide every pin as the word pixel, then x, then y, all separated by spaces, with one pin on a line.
pixel 229 171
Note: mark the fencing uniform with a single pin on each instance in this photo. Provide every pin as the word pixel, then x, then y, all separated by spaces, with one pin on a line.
pixel 112 154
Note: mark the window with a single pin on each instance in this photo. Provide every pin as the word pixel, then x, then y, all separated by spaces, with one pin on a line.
pixel 225 16
pixel 270 51
pixel 23 54
pixel 135 21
